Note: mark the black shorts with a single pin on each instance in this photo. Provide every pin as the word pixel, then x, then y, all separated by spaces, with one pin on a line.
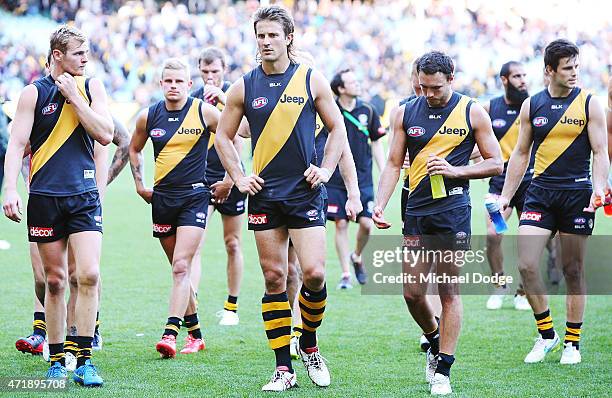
pixel 518 200
pixel 450 229
pixel 558 210
pixel 233 206
pixel 52 218
pixel 169 212
pixel 338 197
pixel 302 212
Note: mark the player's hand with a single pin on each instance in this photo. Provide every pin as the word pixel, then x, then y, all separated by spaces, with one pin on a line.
pixel 146 194
pixel 12 205
pixel 213 94
pixel 378 216
pixel 316 176
pixel 597 200
pixel 66 83
pixel 437 165
pixel 221 190
pixel 353 206
pixel 250 184
pixel 503 203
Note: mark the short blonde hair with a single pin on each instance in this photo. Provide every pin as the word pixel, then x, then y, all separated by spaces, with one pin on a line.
pixel 61 37
pixel 176 64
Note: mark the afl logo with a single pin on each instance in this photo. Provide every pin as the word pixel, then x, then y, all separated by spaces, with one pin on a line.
pixel 259 102
pixel 499 123
pixel 49 109
pixel 156 133
pixel 416 131
pixel 540 121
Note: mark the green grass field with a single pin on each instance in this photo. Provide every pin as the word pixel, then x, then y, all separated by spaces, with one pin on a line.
pixel 370 341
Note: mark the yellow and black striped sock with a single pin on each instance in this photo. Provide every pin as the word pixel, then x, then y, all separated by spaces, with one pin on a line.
pixel 312 308
pixel 84 343
pixel 39 325
pixel 297 330
pixel 71 345
pixel 193 326
pixel 56 354
pixel 172 326
pixel 572 333
pixel 276 314
pixel 97 322
pixel 544 323
pixel 231 304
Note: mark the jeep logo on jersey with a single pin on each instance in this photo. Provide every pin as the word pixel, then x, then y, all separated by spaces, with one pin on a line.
pixel 184 130
pixel 259 102
pixel 156 133
pixel 540 121
pixel 416 131
pixel 258 219
pixel 297 100
pixel 577 122
pixel 499 123
pixel 456 130
pixel 49 109
pixel 41 232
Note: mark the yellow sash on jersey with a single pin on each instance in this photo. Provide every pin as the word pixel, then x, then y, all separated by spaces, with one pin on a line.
pixel 281 122
pixel 561 135
pixel 64 127
pixel 509 140
pixel 440 144
pixel 179 145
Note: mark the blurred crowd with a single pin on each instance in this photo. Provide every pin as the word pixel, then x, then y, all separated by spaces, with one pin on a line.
pixel 129 40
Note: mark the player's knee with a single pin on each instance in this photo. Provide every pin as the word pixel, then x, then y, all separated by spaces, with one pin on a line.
pixel 493 239
pixel 573 271
pixel 365 224
pixel 528 269
pixel 413 296
pixel 449 296
pixel 342 225
pixel 56 283
pixel 87 278
pixel 232 246
pixel 314 278
pixel 180 268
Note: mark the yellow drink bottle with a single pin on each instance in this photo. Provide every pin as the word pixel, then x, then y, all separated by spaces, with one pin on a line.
pixel 438 190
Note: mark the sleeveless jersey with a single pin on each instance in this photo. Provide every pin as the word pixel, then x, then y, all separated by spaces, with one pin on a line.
pixel 445 132
pixel 560 140
pixel 281 114
pixel 180 144
pixel 62 162
pixel 402 102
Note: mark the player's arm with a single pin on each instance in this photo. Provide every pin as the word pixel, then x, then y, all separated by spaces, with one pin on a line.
pixel 349 175
pixel 488 147
pixel 609 117
pixel 95 117
pixel 121 138
pixel 598 138
pixel 20 135
pixel 475 156
pixel 229 123
pixel 137 143
pixel 332 119
pixel 391 172
pixel 519 159
pixel 100 158
pixel 221 189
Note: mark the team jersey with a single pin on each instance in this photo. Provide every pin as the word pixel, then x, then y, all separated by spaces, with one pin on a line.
pixel 506 122
pixel 180 144
pixel 62 162
pixel 282 117
pixel 214 169
pixel 402 102
pixel 445 132
pixel 560 140
pixel 321 134
pixel 362 126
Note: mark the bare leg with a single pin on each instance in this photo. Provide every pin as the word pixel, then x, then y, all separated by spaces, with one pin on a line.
pixel 573 249
pixel 196 264
pixel 232 232
pixel 531 243
pixel 53 255
pixel 363 234
pixel 342 246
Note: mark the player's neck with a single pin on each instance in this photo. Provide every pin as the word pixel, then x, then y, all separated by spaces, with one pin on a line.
pixel 176 105
pixel 276 67
pixel 557 91
pixel 347 102
pixel 56 71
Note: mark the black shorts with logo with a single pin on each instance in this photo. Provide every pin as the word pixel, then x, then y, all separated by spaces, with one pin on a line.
pixel 450 229
pixel 338 197
pixel 233 206
pixel 296 213
pixel 518 200
pixel 170 212
pixel 558 210
pixel 51 218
